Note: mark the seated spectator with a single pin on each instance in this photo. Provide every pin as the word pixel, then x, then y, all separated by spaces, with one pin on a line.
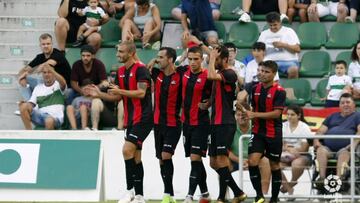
pixel 27 76
pixel 345 122
pixel 238 66
pixel 142 21
pixel 295 151
pixel 354 70
pixel 354 7
pixel 337 85
pixel 80 108
pixel 263 7
pixel 46 106
pixel 201 24
pixel 115 6
pixel 282 45
pixel 215 10
pixel 93 14
pixel 68 23
pixel 251 69
pixel 337 8
pixel 298 7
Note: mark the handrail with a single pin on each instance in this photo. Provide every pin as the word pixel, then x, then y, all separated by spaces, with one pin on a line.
pixel 352 195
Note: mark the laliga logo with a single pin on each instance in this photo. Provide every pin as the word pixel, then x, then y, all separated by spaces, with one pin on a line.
pixel 332 183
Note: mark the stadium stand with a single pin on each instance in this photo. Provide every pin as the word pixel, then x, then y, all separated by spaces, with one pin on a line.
pixel 165 7
pixel 226 8
pixel 341 39
pixel 249 34
pixel 301 89
pixel 312 35
pixel 315 64
pixel 111 33
pixel 320 92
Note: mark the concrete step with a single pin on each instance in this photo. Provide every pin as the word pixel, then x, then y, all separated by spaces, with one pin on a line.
pixel 11 122
pixel 27 22
pixel 21 36
pixel 12 66
pixel 11 95
pixel 18 51
pixel 27 7
pixel 8 83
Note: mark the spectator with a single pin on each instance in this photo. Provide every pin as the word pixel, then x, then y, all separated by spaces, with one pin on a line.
pixel 354 7
pixel 298 7
pixel 282 45
pixel 263 7
pixel 142 21
pixel 80 108
pixel 238 66
pixel 201 24
pixel 295 151
pixel 251 70
pixel 92 13
pixel 51 56
pixel 215 10
pixel 337 8
pixel 345 122
pixel 48 98
pixel 337 85
pixel 68 23
pixel 354 70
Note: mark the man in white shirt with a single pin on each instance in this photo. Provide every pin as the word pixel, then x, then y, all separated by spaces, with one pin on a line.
pixel 282 45
pixel 236 65
pixel 46 106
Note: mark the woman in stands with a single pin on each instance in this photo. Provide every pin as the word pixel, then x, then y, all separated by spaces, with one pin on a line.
pixel 142 21
pixel 354 70
pixel 295 151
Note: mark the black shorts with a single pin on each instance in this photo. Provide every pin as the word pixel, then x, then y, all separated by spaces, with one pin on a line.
pixel 264 6
pixel 72 32
pixel 270 147
pixel 108 117
pixel 221 139
pixel 166 139
pixel 137 133
pixel 195 139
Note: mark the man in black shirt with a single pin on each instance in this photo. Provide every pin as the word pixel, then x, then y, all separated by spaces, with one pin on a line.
pixel 68 23
pixel 50 56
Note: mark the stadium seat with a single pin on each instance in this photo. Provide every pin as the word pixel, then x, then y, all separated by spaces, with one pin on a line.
pixel 72 55
pixel 108 57
pixel 242 53
pixel 342 36
pixel 243 35
pixel 165 7
pixel 312 35
pixel 146 55
pixel 221 30
pixel 345 56
pixel 226 8
pixel 315 64
pixel 301 88
pixel 320 92
pixel 111 33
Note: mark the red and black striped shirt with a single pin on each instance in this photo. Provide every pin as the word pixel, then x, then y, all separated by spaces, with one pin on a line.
pixel 267 100
pixel 222 98
pixel 196 89
pixel 167 97
pixel 135 110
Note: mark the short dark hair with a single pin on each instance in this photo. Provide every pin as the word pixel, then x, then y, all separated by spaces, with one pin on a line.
pixel 170 53
pixel 259 46
pixel 195 49
pixel 45 36
pixel 273 17
pixel 224 52
pixel 270 64
pixel 87 48
pixel 230 45
pixel 347 95
pixel 354 56
pixel 298 111
pixel 142 2
pixel 341 62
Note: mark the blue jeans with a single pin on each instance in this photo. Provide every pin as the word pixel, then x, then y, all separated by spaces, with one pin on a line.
pixel 283 66
pixel 32 81
pixel 38 118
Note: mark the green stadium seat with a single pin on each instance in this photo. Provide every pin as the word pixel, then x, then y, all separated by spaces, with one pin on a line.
pixel 320 92
pixel 258 17
pixel 221 30
pixel 312 35
pixel 226 8
pixel 165 7
pixel 345 56
pixel 315 64
pixel 108 57
pixel 242 53
pixel 72 55
pixel 302 90
pixel 146 55
pixel 243 35
pixel 342 36
pixel 110 33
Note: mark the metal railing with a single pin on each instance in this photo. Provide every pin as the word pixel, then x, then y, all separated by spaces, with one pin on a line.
pixel 352 194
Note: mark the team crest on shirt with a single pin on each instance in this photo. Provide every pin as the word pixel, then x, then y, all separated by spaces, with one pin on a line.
pixel 198 80
pixel 130 75
pixel 159 79
pixel 269 96
pixel 121 76
pixel 187 76
pixel 173 82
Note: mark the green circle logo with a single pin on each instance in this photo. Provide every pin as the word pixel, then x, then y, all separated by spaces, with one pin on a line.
pixel 10 161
